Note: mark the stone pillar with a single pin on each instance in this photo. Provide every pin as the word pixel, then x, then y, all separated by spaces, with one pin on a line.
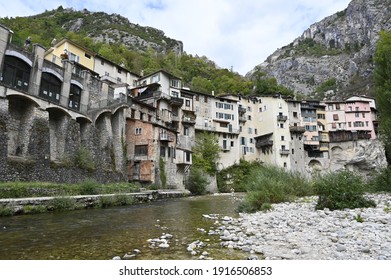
pixel 4 39
pixel 118 131
pixel 36 70
pixel 66 85
pixel 85 93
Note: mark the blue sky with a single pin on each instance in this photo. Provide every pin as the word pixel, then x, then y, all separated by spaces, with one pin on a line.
pixel 239 34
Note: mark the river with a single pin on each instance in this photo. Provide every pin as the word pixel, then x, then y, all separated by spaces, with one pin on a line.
pixel 101 234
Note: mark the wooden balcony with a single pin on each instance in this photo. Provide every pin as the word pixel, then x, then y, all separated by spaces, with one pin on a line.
pixel 297 129
pixel 284 152
pixel 282 118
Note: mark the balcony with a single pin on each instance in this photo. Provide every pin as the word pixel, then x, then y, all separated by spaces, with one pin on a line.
pixel 242 118
pixel 284 152
pixel 206 128
pixel 176 101
pixel 282 118
pixel 188 119
pixel 264 143
pixel 297 129
pixel 242 110
pixel 169 137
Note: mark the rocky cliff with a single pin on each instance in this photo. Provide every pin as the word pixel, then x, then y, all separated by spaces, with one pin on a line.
pixel 334 56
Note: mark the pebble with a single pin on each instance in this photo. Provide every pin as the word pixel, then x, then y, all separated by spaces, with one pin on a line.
pixel 297 231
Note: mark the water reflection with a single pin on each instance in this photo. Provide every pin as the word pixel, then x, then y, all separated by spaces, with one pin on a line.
pixel 105 233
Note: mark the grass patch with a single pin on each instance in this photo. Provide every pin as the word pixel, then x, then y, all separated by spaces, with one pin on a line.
pixel 41 189
pixel 115 200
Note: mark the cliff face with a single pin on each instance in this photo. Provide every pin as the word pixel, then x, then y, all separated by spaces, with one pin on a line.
pixel 339 47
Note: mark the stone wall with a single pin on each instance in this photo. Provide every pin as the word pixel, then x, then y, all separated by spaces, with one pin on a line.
pixel 27 148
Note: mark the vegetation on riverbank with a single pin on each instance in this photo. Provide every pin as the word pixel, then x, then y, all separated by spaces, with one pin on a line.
pixel 63 196
pixel 266 185
pixel 41 189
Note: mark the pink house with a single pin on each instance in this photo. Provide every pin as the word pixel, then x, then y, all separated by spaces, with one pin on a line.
pixel 359 118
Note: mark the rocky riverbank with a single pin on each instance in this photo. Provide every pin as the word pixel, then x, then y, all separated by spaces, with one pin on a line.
pixel 298 231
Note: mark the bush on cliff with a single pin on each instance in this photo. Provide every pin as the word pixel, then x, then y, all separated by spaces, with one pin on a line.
pixel 342 190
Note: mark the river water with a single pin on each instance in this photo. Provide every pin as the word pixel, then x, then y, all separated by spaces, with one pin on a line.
pixel 95 234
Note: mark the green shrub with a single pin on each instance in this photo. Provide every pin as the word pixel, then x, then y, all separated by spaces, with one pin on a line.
pixel 197 181
pixel 89 187
pixel 6 211
pixel 342 190
pixel 62 204
pixel 382 181
pixel 34 209
pixel 269 184
pixel 84 159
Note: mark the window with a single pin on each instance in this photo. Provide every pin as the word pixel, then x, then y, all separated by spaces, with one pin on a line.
pixel 16 73
pixel 186 131
pixel 162 151
pixel 138 131
pixel 154 78
pixel 175 83
pixel 335 117
pixel 174 93
pixel 295 114
pixel 74 97
pixel 242 141
pixel 357 115
pixel 187 103
pixel 337 106
pixel 249 117
pixel 73 57
pixel 87 55
pixel 363 115
pixel 141 150
pixel 250 130
pixel 197 98
pixel 282 138
pixel 350 124
pixel 50 87
pixel 206 99
pixel 255 131
pixel 281 125
pixel 188 156
pixel 102 62
pixel 119 71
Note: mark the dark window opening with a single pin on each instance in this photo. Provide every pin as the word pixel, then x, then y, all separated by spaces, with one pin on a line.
pixel 74 97
pixel 50 87
pixel 16 73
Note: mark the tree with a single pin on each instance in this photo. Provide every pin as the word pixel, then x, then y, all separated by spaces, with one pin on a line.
pixel 206 152
pixel 383 87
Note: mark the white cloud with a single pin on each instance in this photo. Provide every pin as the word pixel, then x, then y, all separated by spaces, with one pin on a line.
pixel 232 33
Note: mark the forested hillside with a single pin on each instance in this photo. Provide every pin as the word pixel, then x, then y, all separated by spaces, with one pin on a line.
pixel 138 48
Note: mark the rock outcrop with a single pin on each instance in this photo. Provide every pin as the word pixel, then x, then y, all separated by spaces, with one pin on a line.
pixel 340 46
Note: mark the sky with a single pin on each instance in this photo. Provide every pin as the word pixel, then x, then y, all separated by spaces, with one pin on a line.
pixel 237 34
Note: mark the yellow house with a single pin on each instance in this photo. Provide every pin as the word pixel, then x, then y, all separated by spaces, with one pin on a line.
pixel 67 49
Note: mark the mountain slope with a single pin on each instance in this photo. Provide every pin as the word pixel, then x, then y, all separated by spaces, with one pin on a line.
pixel 98 26
pixel 332 58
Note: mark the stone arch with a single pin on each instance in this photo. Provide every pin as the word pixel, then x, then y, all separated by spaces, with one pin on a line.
pixel 336 152
pixel 315 166
pixel 21 110
pixel 58 126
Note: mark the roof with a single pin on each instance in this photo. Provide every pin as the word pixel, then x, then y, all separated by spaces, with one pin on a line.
pixel 73 43
pixel 160 71
pixel 117 65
